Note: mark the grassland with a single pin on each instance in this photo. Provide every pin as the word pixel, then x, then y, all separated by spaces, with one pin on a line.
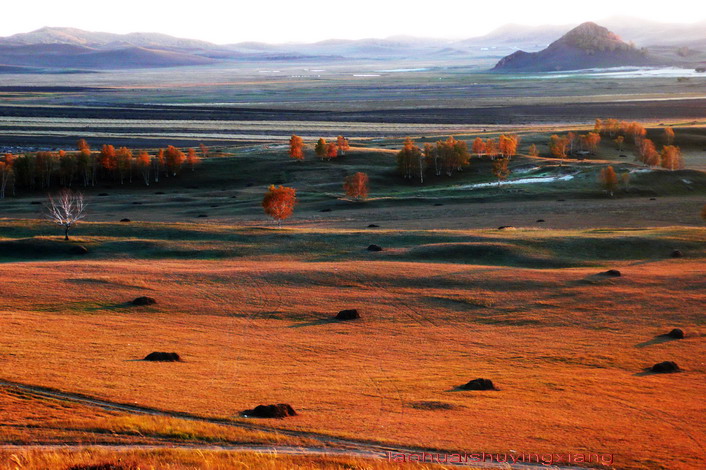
pixel 450 298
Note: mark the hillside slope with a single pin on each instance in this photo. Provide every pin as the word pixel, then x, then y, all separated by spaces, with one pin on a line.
pixel 586 46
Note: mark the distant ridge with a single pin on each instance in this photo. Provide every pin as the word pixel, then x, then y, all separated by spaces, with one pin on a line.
pixel 60 50
pixel 586 46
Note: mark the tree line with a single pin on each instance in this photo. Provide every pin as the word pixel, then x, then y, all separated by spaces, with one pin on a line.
pixel 645 149
pixel 84 167
pixel 323 149
pixel 452 155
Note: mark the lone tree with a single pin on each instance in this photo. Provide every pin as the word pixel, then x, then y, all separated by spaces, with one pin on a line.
pixel 356 186
pixel 65 209
pixel 609 180
pixel 500 168
pixel 669 135
pixel 533 151
pixel 296 147
pixel 279 202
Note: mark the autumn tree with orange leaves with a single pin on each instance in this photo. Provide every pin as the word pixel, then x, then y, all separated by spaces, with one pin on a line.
pixel 491 148
pixel 108 158
pixel 192 159
pixel 356 186
pixel 296 147
pixel 123 157
pixel 533 151
pixel 558 146
pixel 507 145
pixel 591 141
pixel 144 163
pixel 279 202
pixel 321 148
pixel 174 159
pixel 478 146
pixel 669 135
pixel 410 160
pixel 670 158
pixel 647 152
pixel 501 169
pixel 609 180
pixel 342 144
pixel 331 151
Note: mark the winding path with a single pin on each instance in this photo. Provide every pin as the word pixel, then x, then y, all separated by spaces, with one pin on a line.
pixel 331 446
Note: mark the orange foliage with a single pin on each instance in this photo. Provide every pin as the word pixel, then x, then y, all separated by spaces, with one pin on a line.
pixel 508 145
pixel 609 179
pixel 192 159
pixel 321 148
pixel 342 144
pixel 671 158
pixel 296 147
pixel 174 159
pixel 279 202
pixel 356 185
pixel 478 146
pixel 108 158
pixel 558 146
pixel 331 150
pixel 647 152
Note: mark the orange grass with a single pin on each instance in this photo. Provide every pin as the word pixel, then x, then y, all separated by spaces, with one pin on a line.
pixel 565 348
pixel 190 460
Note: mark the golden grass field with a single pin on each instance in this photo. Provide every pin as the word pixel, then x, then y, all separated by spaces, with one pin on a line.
pixel 451 298
pixel 566 348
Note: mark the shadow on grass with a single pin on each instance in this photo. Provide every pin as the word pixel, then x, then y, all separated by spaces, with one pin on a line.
pixel 659 339
pixel 122 306
pixel 647 371
pixel 323 321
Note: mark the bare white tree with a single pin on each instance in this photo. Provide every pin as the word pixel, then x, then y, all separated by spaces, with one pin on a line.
pixel 65 209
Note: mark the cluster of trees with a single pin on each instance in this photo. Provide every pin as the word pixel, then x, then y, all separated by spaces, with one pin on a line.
pixel 614 128
pixel 670 157
pixel 447 156
pixel 571 143
pixel 323 149
pixel 645 149
pixel 84 167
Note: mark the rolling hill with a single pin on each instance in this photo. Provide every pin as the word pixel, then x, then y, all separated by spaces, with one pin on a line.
pixel 586 46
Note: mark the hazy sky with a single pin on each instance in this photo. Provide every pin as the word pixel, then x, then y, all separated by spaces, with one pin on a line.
pixel 230 21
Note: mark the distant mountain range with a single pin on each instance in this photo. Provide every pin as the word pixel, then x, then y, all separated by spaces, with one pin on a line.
pixel 64 49
pixel 586 46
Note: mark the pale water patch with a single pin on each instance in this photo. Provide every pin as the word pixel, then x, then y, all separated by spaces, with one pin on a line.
pixel 423 69
pixel 617 72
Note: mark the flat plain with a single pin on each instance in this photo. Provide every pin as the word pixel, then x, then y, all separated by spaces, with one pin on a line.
pixel 451 297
